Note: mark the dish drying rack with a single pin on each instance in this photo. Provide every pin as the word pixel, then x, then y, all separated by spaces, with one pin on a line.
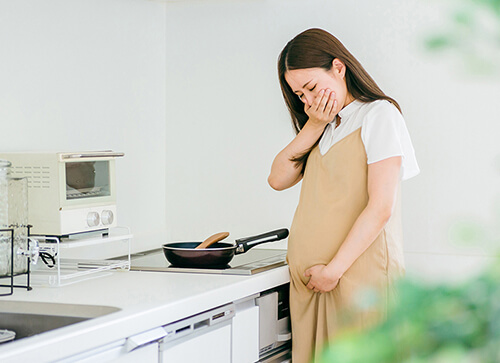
pixel 55 269
pixel 15 276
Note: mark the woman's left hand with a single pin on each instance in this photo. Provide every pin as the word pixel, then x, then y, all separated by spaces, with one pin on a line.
pixel 322 279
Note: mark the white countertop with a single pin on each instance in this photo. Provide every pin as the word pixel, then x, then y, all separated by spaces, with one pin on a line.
pixel 146 299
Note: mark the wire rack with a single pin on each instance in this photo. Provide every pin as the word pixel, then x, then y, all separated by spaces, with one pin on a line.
pixel 56 269
pixel 11 276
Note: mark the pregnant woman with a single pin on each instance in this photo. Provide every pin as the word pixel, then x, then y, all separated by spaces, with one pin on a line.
pixel 351 151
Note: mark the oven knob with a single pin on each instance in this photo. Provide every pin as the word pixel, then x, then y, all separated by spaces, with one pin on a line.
pixel 93 219
pixel 107 217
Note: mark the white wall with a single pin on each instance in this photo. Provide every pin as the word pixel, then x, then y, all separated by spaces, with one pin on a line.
pixel 189 91
pixel 90 75
pixel 226 120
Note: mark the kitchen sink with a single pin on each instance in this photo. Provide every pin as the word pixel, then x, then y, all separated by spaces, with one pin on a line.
pixel 31 318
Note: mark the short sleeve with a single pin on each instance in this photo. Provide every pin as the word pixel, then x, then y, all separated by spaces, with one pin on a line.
pixel 385 135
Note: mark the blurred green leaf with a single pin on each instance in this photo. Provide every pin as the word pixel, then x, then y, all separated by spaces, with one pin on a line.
pixel 437 42
pixel 493 5
pixel 466 232
pixel 463 17
pixel 472 30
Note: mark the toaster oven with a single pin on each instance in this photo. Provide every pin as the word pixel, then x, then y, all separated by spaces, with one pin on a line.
pixel 68 192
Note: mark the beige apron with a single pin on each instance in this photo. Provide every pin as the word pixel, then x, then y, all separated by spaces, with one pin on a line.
pixel 333 195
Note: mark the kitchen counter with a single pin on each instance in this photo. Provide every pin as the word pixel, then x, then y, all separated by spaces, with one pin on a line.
pixel 146 299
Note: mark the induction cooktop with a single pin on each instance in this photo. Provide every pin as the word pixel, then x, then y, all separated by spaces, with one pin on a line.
pixel 249 263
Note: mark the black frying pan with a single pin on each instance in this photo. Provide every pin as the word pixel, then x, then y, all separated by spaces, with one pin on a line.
pixel 218 255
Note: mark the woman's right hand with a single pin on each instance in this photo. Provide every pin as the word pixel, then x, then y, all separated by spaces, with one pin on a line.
pixel 323 109
pixel 284 172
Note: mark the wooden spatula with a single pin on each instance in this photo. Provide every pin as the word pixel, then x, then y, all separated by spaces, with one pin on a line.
pixel 212 239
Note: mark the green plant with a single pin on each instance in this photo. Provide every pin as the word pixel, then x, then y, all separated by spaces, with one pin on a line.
pixel 431 324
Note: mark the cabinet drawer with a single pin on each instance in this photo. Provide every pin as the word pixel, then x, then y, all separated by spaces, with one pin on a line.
pixel 246 335
pixel 211 346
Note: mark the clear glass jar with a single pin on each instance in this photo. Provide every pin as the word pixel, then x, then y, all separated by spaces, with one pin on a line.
pixel 13 215
pixel 4 218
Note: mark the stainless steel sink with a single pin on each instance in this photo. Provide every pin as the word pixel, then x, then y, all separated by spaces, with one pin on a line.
pixel 30 318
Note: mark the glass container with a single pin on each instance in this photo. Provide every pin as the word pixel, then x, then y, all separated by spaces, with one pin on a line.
pixel 13 215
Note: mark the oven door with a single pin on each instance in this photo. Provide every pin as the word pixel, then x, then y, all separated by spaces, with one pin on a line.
pixel 87 178
pixel 86 193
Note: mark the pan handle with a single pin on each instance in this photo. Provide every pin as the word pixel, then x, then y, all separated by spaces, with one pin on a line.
pixel 244 244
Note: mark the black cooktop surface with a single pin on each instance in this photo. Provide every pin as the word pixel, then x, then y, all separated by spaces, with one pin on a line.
pixel 249 263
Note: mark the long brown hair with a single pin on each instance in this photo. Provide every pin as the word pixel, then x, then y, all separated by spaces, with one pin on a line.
pixel 316 48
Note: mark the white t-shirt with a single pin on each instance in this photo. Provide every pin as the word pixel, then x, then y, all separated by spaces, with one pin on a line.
pixel 383 132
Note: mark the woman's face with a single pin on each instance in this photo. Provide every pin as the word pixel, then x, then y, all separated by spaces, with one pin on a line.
pixel 306 83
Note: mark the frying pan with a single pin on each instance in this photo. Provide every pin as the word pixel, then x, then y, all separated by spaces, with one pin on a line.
pixel 218 255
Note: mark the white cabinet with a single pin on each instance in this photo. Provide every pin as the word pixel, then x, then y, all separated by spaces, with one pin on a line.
pixel 116 353
pixel 205 337
pixel 240 332
pixel 245 333
pixel 213 346
pixel 148 353
pixel 144 354
pixel 138 348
